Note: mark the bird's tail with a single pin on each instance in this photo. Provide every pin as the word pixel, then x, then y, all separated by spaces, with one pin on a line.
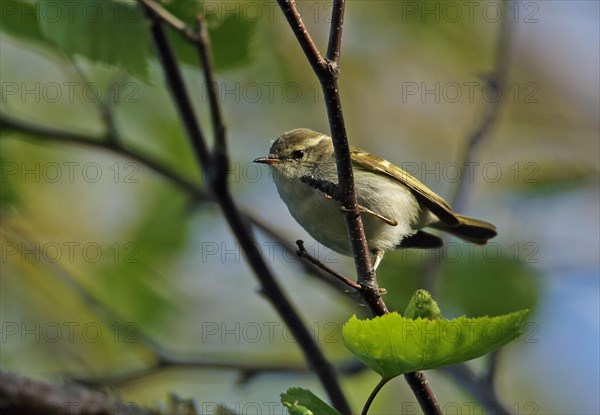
pixel 469 229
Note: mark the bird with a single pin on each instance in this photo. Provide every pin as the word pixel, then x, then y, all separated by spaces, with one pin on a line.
pixel 395 206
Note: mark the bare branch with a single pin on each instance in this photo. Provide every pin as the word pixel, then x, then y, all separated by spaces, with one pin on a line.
pixel 44 133
pixel 420 386
pixel 102 105
pixel 303 253
pixel 218 126
pixel 328 72
pixel 177 87
pixel 290 11
pixel 173 21
pixel 312 353
pixel 335 32
pixel 196 192
pixel 21 395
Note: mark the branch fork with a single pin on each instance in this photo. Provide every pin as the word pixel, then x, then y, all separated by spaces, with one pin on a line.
pixel 327 71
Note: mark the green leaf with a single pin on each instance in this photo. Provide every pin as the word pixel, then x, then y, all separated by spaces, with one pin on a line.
pixel 117 33
pixel 300 401
pixel 422 305
pixel 231 42
pixel 107 31
pixel 392 345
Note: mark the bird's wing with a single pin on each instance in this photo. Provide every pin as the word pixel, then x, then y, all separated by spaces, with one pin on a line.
pixel 436 204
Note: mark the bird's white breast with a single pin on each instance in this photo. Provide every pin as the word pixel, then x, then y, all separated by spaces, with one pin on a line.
pixel 323 219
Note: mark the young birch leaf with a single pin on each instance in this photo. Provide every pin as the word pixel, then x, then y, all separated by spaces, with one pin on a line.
pixel 392 345
pixel 300 401
pixel 422 305
pixel 107 31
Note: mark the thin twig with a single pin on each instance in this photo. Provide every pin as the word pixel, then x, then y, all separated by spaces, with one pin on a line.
pixel 328 71
pixel 44 133
pixel 174 79
pixel 327 75
pixel 103 106
pixel 335 34
pixel 170 19
pixel 220 159
pixel 303 253
pixel 246 371
pixel 290 11
pixel 326 187
pixel 41 133
pixel 312 352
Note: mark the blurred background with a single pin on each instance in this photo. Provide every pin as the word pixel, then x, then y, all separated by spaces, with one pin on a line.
pixel 101 256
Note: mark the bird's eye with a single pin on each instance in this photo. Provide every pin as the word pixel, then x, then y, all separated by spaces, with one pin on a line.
pixel 297 154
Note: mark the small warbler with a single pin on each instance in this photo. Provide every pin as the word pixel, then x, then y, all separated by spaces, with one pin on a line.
pixel 395 206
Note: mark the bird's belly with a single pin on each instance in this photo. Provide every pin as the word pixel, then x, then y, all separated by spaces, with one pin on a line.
pixel 324 220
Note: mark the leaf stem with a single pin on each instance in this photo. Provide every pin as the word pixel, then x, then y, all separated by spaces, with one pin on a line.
pixel 372 396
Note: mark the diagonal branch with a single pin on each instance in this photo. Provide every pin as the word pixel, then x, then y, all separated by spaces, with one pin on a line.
pixel 327 73
pixel 177 87
pixel 312 353
pixel 170 19
pixel 108 143
pixel 290 11
pixel 113 144
pixel 303 253
pixel 219 131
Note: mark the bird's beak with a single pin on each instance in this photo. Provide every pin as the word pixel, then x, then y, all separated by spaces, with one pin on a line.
pixel 267 160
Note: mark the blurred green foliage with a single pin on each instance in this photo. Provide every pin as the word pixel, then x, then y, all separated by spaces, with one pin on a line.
pixel 469 283
pixel 117 33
